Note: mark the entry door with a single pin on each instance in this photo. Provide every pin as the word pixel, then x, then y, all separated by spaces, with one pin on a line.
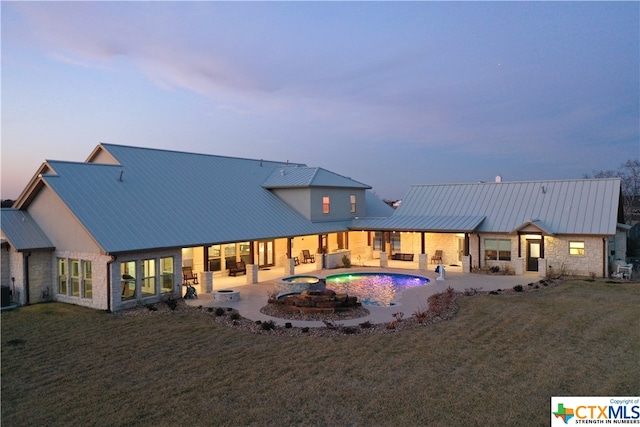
pixel 533 253
pixel 265 253
pixel 460 248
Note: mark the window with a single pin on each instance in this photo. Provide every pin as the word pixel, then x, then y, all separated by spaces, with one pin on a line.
pixel 245 252
pixel 214 258
pixel 325 204
pixel 576 248
pixel 229 254
pixel 378 241
pixel 62 276
pixel 148 284
pixel 352 199
pixel 128 279
pixel 395 242
pixel 87 279
pixel 74 265
pixel 497 249
pixel 166 274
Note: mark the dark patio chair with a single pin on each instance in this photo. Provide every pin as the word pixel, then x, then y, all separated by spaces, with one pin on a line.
pixel 437 258
pixel 307 257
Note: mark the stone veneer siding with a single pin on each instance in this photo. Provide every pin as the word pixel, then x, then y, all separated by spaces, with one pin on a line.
pixel 556 252
pixel 99 262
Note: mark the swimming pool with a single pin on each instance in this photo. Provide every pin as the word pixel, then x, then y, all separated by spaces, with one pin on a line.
pixel 379 289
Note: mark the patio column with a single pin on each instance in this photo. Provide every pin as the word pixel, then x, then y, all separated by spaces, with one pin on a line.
pixel 206 280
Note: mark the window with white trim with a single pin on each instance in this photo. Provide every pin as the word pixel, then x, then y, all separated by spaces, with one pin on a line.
pixel 352 200
pixel 576 248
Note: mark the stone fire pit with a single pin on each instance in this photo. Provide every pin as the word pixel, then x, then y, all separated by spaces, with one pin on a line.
pixel 226 295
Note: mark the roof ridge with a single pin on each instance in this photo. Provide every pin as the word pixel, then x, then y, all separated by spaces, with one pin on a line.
pixel 516 182
pixel 277 163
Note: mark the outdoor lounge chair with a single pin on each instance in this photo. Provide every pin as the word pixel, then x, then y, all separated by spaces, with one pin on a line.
pixel 437 258
pixel 189 277
pixel 236 268
pixel 307 257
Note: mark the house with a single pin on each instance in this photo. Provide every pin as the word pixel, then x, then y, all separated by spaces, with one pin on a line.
pixel 117 230
pixel 565 226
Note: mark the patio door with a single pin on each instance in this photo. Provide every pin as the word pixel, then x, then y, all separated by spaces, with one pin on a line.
pixel 265 253
pixel 533 253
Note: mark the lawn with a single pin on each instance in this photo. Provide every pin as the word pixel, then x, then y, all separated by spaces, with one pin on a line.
pixel 497 362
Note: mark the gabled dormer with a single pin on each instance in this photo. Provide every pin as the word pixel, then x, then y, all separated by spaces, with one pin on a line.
pixel 318 194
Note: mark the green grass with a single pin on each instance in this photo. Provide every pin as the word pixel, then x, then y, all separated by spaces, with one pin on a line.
pixel 497 363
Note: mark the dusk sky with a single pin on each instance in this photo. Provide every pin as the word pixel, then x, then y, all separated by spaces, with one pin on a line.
pixel 390 94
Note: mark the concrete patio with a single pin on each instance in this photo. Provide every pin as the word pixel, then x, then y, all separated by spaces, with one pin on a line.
pixel 254 296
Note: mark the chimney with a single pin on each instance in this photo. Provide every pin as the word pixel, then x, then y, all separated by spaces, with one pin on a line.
pixel 498 178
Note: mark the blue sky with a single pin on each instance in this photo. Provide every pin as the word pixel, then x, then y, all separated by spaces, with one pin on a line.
pixel 390 94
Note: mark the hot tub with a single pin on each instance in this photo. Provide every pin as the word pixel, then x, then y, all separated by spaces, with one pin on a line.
pixel 297 284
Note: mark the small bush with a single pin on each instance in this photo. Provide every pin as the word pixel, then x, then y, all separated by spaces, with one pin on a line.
pixel 172 303
pixel 235 316
pixel 346 261
pixel 269 325
pixel 305 329
pixel 517 288
pixel 288 325
pixel 366 325
pixel 151 307
pixel 421 315
pixel 494 293
pixel 219 311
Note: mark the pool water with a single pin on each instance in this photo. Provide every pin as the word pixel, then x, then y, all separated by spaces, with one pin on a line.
pixel 379 289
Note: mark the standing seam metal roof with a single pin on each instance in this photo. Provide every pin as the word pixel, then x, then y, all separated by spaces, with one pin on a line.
pixel 157 198
pixel 586 207
pixel 22 232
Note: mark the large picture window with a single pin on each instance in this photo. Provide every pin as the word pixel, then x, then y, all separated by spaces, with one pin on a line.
pixel 148 284
pixel 576 248
pixel 166 273
pixel 128 279
pixel 245 252
pixel 395 242
pixel 497 249
pixel 214 258
pixel 229 254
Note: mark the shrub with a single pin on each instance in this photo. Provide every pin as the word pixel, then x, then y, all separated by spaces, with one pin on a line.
pixel 366 325
pixel 288 325
pixel 235 316
pixel 421 315
pixel 305 329
pixel 219 311
pixel 517 288
pixel 172 303
pixel 151 307
pixel 346 261
pixel 268 325
pixel 494 293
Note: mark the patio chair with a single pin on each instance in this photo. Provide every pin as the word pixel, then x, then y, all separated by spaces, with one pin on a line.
pixel 307 257
pixel 437 258
pixel 189 277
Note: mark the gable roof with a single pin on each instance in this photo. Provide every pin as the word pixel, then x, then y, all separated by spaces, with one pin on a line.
pixel 22 232
pixel 157 198
pixel 585 206
pixel 292 177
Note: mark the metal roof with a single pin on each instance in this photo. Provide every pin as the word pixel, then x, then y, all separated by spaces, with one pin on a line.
pixel 157 198
pixel 288 177
pixel 22 232
pixel 585 206
pixel 451 224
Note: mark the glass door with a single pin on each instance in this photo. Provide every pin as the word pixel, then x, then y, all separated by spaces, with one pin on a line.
pixel 265 253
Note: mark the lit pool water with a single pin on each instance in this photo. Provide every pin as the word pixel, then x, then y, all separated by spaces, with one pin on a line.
pixel 378 289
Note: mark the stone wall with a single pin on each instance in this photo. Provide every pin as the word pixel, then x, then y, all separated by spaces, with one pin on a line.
pixel 556 252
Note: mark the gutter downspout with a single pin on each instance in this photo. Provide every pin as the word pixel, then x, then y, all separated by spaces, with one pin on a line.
pixel 113 259
pixel 605 257
pixel 26 277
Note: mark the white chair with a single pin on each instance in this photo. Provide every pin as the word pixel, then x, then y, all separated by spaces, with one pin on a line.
pixel 624 271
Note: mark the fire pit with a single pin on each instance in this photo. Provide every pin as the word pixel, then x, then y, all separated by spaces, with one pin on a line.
pixel 226 295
